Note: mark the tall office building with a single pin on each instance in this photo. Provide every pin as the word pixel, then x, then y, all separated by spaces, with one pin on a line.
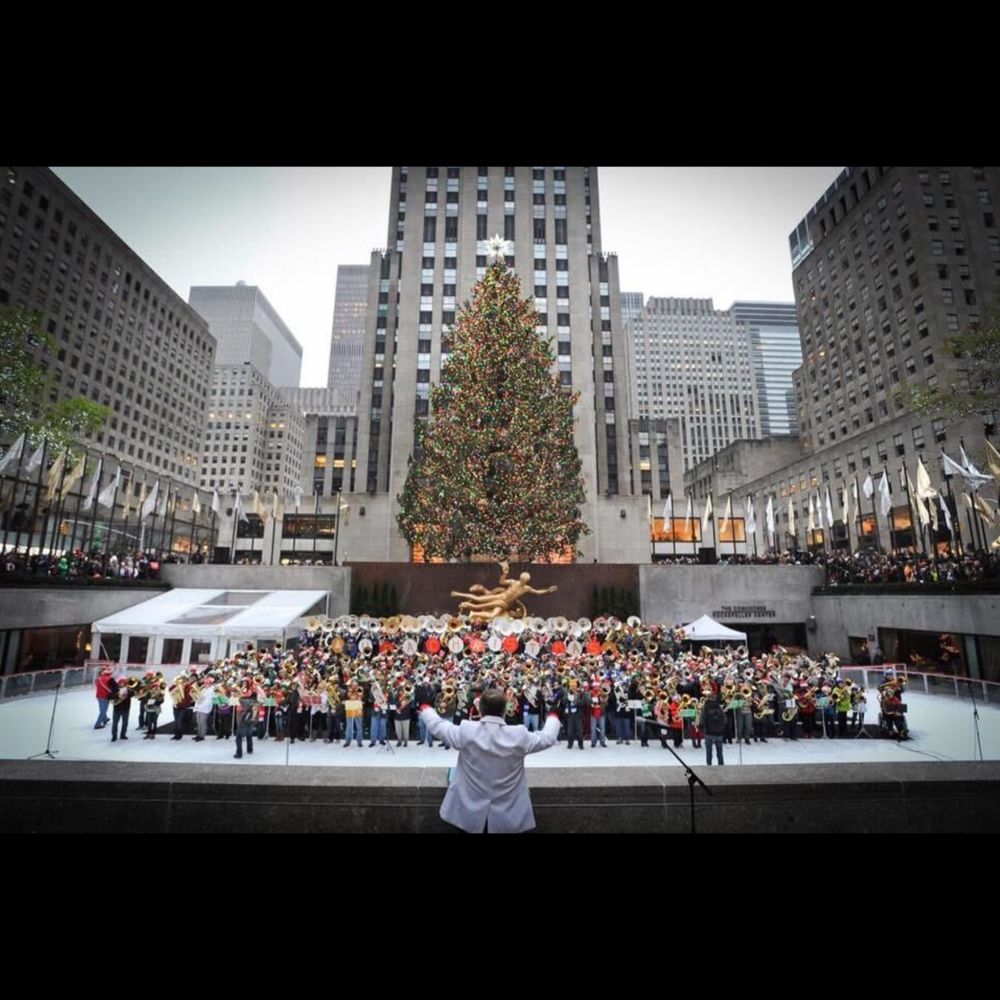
pixel 123 337
pixel 248 329
pixel 350 310
pixel 777 352
pixel 440 220
pixel 329 465
pixel 253 435
pixel 887 265
pixel 693 362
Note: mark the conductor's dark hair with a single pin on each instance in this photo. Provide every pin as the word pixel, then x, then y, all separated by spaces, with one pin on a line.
pixel 493 702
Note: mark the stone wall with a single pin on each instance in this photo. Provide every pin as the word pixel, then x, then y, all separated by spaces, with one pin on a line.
pixel 919 797
pixel 66 604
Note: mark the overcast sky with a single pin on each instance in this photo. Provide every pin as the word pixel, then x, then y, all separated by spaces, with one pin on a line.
pixel 705 232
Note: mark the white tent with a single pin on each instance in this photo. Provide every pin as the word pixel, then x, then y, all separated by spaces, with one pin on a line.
pixel 210 622
pixel 707 629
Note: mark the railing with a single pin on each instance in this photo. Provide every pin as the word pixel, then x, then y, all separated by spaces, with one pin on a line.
pixel 39 682
pixel 989 585
pixel 988 692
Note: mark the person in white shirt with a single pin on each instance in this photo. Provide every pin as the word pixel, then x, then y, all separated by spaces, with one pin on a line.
pixel 490 791
pixel 203 709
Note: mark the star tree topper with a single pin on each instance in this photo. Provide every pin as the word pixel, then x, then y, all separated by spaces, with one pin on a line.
pixel 496 248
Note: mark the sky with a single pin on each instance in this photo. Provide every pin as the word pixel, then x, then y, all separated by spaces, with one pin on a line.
pixel 689 232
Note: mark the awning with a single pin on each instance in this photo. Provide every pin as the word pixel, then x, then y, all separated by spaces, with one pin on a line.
pixel 209 614
pixel 707 629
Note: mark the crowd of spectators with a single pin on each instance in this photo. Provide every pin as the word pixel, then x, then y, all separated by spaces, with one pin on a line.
pixel 78 566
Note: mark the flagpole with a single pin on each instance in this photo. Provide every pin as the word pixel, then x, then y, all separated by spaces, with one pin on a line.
pixel 754 528
pixel 56 502
pixel 315 525
pixel 958 518
pixel 27 485
pixel 236 521
pixel 913 518
pixel 274 526
pixel 13 496
pixel 673 533
pixel 979 535
pixel 99 473
pixel 336 529
pixel 38 499
pixel 79 500
pixel 127 504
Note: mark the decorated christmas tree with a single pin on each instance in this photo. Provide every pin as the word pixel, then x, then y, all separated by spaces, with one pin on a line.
pixel 496 472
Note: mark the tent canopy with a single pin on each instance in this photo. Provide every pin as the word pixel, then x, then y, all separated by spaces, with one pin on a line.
pixel 707 629
pixel 208 614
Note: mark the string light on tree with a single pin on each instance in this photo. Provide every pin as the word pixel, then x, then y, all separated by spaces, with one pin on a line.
pixel 496 472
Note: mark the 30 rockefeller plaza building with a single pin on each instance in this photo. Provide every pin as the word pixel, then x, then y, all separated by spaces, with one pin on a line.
pixel 440 219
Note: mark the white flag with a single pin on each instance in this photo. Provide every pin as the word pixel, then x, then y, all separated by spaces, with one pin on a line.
pixel 687 517
pixel 149 504
pixel 970 469
pixel 922 514
pixel 811 523
pixel 751 517
pixel 829 509
pixel 298 498
pixel 993 461
pixel 94 483
pixel 163 507
pixel 277 508
pixel 845 505
pixel 74 476
pixel 791 515
pixel 885 496
pixel 727 514
pixel 869 487
pixel 769 516
pixel 216 503
pixel 238 511
pixel 705 515
pixel 13 454
pixel 947 512
pixel 106 498
pixel 195 503
pixel 36 458
pixel 856 499
pixel 924 488
pixel 668 509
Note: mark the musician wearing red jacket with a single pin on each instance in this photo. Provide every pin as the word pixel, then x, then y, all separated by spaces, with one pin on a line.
pixel 103 690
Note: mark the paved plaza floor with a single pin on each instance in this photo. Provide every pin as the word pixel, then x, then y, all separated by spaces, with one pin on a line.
pixel 941 728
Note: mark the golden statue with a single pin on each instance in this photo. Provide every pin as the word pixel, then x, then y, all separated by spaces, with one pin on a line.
pixel 484 605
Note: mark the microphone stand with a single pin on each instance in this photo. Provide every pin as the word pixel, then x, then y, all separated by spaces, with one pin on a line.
pixel 692 778
pixel 978 747
pixel 48 751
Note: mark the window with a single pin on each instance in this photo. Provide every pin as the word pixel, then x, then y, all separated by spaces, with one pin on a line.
pixel 897 443
pixel 918 438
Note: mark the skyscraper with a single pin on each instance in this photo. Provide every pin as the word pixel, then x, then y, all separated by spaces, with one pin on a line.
pixel 350 312
pixel 777 352
pixel 440 219
pixel 122 336
pixel 248 329
pixel 693 362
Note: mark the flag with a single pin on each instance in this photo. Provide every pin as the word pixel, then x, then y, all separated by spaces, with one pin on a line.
pixel 769 516
pixel 984 508
pixel 259 508
pixel 811 523
pixel 687 517
pixel 885 495
pixel 75 475
pixel 751 517
pixel 791 516
pixel 36 458
pixel 845 505
pixel 216 502
pixel 238 511
pixel 993 461
pixel 149 503
pixel 705 515
pixel 668 509
pixel 924 488
pixel 94 483
pixel 649 510
pixel 970 469
pixel 55 474
pixel 195 503
pixel 277 508
pixel 932 510
pixel 947 512
pixel 13 452
pixel 921 509
pixel 345 509
pixel 869 487
pixel 856 498
pixel 298 498
pixel 106 498
pixel 163 507
pixel 829 509
pixel 727 514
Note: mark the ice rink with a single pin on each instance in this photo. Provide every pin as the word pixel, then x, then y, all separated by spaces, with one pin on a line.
pixel 941 728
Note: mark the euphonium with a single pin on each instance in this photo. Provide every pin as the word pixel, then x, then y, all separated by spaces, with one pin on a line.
pixel 789 713
pixel 746 692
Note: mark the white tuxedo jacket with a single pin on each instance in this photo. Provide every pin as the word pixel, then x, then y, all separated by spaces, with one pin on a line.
pixel 490 783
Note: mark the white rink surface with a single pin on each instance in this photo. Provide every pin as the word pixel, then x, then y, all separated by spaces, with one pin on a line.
pixel 941 728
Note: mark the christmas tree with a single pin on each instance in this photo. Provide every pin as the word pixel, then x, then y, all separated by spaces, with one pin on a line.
pixel 496 471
